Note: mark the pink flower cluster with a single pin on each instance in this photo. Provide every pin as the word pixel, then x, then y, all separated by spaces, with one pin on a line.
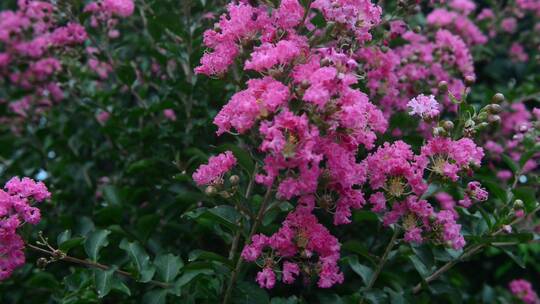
pixel 16 208
pixel 30 38
pixel 517 122
pixel 456 19
pixel 106 12
pixel 305 110
pixel 300 241
pixel 397 173
pixel 522 289
pixel 396 75
pixel 212 172
pixel 424 106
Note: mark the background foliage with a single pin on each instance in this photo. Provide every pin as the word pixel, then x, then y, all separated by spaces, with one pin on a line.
pixel 123 194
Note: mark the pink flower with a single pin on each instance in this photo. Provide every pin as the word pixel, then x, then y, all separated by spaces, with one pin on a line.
pixel 378 201
pixel 16 209
pixel 214 170
pixel 477 192
pixel 486 13
pixel 450 156
pixel 391 167
pixel 451 231
pixel 465 6
pixel 517 53
pixel 299 237
pixel 103 117
pixel 268 55
pixel 424 106
pixel 261 98
pixel 266 278
pixel 358 16
pixel 509 25
pixel 504 175
pixel 169 114
pixel 122 8
pixel 413 235
pixel 290 270
pixel 523 290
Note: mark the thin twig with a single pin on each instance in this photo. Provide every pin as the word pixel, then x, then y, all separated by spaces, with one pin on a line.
pixel 91 264
pixel 467 253
pixel 238 234
pixel 382 261
pixel 239 261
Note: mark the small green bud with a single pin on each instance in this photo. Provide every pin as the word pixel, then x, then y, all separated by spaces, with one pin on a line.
pixel 497 98
pixel 469 80
pixel 494 108
pixel 234 179
pixel 448 125
pixel 494 118
pixel 210 190
pixel 443 86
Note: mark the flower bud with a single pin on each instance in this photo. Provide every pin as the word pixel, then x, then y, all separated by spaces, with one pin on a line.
pixel 494 118
pixel 518 204
pixel 41 263
pixel 326 62
pixel 497 98
pixel 210 190
pixel 469 124
pixel 234 179
pixel 494 108
pixel 482 116
pixel 417 29
pixel 523 128
pixel 469 80
pixel 448 125
pixel 443 86
pixel 438 131
pixel 482 125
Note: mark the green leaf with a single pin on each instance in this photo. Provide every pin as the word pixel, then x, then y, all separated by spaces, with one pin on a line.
pixel 111 195
pixel 528 155
pixel 155 297
pixel 62 237
pixel 95 241
pixel 71 243
pixel 527 195
pixel 140 259
pixel 503 238
pixel 244 159
pixel 289 300
pixel 363 271
pixel 188 276
pixel 516 257
pixel 510 163
pixel 126 74
pixel 209 256
pixel 104 280
pixel 419 266
pixel 168 266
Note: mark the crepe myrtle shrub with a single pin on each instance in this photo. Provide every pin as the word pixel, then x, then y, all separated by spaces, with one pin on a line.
pixel 280 151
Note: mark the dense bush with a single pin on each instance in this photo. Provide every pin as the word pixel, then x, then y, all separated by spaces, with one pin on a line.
pixel 269 151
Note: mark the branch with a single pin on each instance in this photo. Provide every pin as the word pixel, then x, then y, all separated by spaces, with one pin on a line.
pixel 90 264
pixel 382 261
pixel 467 253
pixel 239 261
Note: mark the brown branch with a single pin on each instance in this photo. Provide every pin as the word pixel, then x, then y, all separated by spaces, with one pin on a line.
pixel 239 261
pixel 90 264
pixel 467 253
pixel 382 261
